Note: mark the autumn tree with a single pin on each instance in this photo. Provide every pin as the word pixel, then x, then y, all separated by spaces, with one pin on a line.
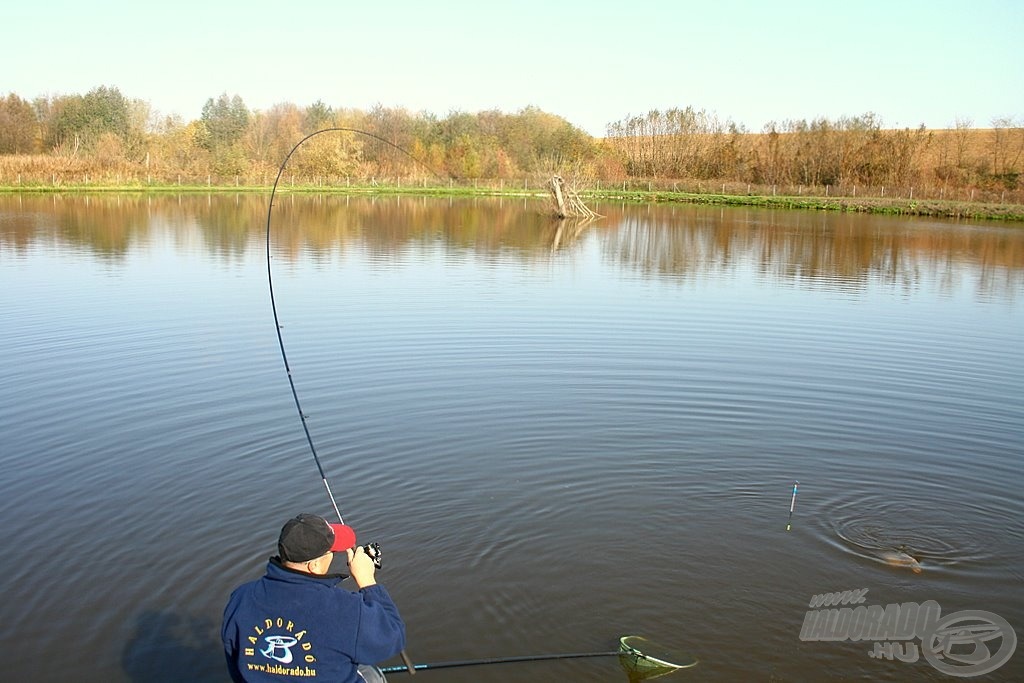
pixel 271 134
pixel 963 134
pixel 180 147
pixel 78 121
pixel 556 141
pixel 141 120
pixel 317 116
pixel 1006 150
pixel 398 127
pixel 226 120
pixel 18 126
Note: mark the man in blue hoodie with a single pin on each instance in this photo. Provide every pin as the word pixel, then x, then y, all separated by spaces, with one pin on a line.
pixel 296 623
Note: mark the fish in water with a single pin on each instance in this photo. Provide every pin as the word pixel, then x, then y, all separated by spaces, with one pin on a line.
pixel 900 558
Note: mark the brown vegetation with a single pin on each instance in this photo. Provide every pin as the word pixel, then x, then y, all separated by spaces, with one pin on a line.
pixel 850 156
pixel 102 138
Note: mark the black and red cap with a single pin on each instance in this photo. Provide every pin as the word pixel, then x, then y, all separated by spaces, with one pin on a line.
pixel 307 537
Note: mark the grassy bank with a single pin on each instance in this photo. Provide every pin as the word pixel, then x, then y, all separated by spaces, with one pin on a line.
pixel 894 206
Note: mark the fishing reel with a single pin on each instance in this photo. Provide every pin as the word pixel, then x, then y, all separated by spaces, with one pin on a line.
pixel 372 551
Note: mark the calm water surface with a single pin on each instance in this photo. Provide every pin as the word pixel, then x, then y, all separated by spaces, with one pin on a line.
pixel 559 434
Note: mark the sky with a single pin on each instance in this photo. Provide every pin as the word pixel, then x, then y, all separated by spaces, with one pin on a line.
pixel 591 62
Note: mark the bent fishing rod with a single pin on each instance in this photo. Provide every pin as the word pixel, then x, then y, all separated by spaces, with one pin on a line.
pixel 277 321
pixel 273 304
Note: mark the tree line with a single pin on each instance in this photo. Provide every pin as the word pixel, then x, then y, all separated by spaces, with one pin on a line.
pixel 104 131
pixel 108 130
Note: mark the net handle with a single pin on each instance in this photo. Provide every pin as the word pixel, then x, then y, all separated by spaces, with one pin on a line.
pixel 498 660
pixel 625 650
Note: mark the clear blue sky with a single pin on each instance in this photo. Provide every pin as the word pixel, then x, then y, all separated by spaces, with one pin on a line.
pixel 590 61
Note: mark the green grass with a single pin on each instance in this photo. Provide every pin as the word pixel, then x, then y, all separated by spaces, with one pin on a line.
pixel 896 207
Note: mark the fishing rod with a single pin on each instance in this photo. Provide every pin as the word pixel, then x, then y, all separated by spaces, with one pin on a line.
pixel 273 300
pixel 629 652
pixel 277 321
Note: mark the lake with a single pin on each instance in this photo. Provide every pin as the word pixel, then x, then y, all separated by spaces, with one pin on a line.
pixel 559 434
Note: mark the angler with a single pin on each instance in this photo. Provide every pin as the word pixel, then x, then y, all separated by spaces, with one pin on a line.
pixel 317 629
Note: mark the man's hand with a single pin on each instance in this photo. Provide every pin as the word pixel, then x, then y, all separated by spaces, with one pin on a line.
pixel 362 567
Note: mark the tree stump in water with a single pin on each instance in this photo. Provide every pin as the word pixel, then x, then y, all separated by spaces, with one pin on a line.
pixel 566 202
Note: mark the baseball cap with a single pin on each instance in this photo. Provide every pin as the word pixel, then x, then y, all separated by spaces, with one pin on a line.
pixel 307 537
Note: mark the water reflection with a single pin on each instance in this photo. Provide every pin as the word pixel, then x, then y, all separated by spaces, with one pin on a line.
pixel 517 420
pixel 810 249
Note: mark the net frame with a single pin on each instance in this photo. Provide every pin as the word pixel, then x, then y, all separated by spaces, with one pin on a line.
pixel 645 665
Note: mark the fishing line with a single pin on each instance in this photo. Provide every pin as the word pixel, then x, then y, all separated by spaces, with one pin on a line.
pixel 273 300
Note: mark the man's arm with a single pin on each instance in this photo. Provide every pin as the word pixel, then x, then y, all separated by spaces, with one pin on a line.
pixel 381 629
pixel 381 633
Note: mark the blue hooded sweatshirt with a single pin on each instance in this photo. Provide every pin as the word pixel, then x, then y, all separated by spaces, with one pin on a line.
pixel 292 626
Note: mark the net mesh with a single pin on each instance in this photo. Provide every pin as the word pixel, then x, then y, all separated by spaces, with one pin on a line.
pixel 643 659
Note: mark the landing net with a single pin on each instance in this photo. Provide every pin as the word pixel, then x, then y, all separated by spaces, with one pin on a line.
pixel 643 659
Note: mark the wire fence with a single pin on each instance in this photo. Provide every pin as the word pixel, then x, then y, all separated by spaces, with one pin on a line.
pixel 919 192
pixel 533 184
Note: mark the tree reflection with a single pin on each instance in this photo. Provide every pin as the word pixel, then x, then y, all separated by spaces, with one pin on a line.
pixel 808 249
